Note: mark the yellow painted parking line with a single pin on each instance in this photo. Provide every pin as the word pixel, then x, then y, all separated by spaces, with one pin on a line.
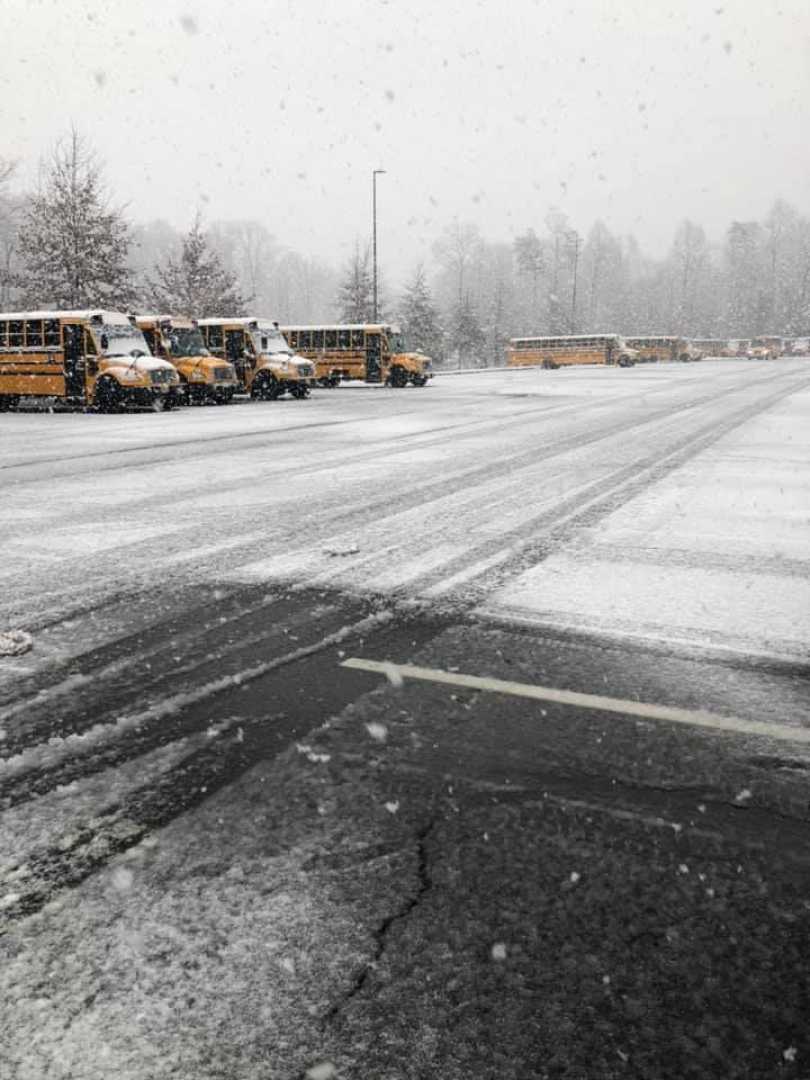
pixel 692 717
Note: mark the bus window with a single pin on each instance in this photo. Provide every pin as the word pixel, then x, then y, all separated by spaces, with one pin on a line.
pixel 344 339
pixel 330 339
pixel 306 339
pixel 15 334
pixel 33 333
pixel 317 339
pixel 292 338
pixel 52 336
pixel 3 333
pixel 214 337
pixel 358 339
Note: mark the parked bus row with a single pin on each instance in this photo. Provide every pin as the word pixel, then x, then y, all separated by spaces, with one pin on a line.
pixel 108 360
pixel 613 349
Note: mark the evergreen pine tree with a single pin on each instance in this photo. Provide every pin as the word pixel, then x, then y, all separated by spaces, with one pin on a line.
pixel 418 316
pixel 197 284
pixel 355 292
pixel 72 245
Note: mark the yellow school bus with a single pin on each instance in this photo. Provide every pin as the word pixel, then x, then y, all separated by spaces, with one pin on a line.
pixel 665 348
pixel 713 346
pixel 265 365
pixel 373 352
pixel 203 377
pixel 767 347
pixel 554 352
pixel 96 358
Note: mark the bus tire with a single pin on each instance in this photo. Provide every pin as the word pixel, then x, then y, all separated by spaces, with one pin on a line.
pixel 108 397
pixel 398 377
pixel 223 397
pixel 265 387
pixel 300 392
pixel 419 380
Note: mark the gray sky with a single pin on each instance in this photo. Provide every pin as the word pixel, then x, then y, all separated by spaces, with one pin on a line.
pixel 640 112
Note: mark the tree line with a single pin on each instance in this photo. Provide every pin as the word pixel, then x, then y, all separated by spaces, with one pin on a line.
pixel 67 245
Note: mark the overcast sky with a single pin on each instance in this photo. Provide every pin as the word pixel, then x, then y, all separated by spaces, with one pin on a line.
pixel 639 112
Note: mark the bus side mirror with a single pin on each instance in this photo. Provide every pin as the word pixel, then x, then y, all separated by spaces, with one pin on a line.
pixel 105 341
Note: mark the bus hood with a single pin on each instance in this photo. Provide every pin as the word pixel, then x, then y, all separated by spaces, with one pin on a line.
pixel 139 363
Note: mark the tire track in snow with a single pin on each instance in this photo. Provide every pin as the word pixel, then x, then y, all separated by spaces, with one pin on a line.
pixel 329 516
pixel 39 768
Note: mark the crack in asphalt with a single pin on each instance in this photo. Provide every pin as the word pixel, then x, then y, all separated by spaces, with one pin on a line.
pixel 424 883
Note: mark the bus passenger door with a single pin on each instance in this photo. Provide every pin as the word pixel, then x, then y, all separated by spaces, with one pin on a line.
pixel 373 357
pixel 73 345
pixel 235 353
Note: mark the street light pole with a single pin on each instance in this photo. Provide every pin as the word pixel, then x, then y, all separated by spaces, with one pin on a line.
pixel 375 173
pixel 575 236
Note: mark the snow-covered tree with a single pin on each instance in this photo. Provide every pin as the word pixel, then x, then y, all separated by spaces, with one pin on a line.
pixel 466 339
pixel 746 301
pixel 72 243
pixel 355 291
pixel 418 315
pixel 196 283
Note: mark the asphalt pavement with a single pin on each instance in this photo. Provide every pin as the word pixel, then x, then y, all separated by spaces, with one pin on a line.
pixel 457 731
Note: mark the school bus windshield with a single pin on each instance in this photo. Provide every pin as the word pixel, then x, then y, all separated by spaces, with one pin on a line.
pixel 269 339
pixel 117 339
pixel 186 341
pixel 396 341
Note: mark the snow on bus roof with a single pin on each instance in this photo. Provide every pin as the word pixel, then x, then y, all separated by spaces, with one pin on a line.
pixel 178 320
pixel 112 318
pixel 345 326
pixel 238 320
pixel 564 337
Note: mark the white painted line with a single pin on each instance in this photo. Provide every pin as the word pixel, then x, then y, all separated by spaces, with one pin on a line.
pixel 695 718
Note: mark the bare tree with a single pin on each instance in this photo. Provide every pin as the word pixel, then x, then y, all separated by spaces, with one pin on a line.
pixel 457 249
pixel 72 244
pixel 11 209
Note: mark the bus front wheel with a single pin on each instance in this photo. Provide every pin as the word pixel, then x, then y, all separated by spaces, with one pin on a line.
pixel 265 388
pixel 398 377
pixel 300 392
pixel 108 396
